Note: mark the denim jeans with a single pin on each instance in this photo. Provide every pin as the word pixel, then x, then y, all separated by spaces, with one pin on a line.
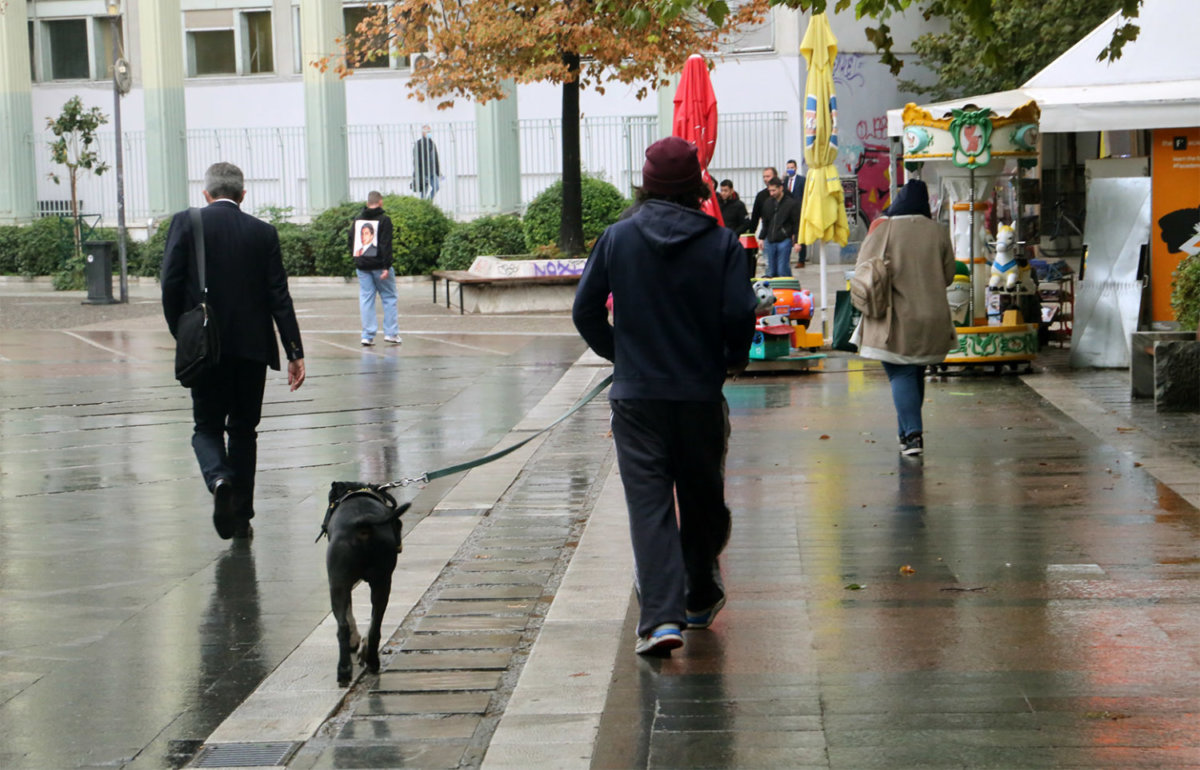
pixel 908 393
pixel 779 258
pixel 370 284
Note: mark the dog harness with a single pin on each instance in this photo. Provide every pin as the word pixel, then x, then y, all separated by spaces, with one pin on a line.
pixel 367 491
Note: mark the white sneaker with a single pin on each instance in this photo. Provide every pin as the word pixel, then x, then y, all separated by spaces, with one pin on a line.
pixel 367 342
pixel 661 640
pixel 394 340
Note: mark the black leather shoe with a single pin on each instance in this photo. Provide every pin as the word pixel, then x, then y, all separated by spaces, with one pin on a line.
pixel 223 519
pixel 242 530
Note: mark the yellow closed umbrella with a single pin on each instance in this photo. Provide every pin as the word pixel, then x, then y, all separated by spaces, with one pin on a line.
pixel 823 215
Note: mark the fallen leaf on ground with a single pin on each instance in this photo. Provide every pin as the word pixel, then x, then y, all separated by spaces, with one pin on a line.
pixel 1105 715
pixel 855 587
pixel 907 570
pixel 824 436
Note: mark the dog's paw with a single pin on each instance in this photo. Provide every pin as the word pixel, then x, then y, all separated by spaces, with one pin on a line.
pixel 343 677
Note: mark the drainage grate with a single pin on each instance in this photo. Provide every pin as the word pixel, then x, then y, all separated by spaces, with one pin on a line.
pixel 245 754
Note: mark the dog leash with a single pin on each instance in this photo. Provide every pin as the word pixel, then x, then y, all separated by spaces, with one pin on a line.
pixel 450 470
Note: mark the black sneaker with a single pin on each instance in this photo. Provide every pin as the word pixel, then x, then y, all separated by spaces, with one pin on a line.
pixel 223 518
pixel 912 445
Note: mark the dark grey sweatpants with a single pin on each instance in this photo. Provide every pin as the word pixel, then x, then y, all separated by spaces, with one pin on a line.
pixel 669 449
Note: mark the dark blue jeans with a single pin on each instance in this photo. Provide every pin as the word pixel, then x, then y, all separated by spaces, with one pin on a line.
pixel 779 258
pixel 228 403
pixel 908 393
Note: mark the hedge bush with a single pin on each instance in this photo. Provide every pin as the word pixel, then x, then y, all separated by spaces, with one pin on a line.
pixel 10 239
pixel 44 247
pixel 602 204
pixel 492 235
pixel 419 230
pixel 150 258
pixel 329 240
pixel 1185 292
pixel 295 243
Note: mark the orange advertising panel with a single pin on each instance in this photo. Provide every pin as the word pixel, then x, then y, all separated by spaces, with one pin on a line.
pixel 1174 211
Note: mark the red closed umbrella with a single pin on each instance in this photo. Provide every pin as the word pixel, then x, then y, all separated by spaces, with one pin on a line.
pixel 695 119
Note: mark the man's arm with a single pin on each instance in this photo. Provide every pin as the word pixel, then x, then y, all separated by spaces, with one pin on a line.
pixel 385 243
pixel 279 301
pixel 756 214
pixel 737 309
pixel 174 278
pixel 589 311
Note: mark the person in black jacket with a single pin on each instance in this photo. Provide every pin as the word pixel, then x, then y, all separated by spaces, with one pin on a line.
pixel 371 247
pixel 683 320
pixel 761 199
pixel 781 224
pixel 247 290
pixel 427 169
pixel 733 211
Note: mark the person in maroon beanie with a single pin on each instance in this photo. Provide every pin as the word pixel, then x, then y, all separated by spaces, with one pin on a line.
pixel 683 319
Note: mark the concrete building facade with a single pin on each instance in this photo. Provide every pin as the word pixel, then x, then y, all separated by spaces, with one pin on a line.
pixel 232 80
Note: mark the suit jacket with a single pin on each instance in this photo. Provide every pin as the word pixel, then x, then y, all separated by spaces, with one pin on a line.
pixel 247 286
pixel 794 186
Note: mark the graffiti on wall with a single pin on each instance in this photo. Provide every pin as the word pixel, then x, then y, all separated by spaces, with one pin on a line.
pixel 864 155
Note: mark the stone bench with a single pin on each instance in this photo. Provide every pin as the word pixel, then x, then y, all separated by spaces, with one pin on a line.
pixel 494 285
pixel 1165 366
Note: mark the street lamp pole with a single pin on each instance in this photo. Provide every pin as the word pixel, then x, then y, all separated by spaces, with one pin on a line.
pixel 120 78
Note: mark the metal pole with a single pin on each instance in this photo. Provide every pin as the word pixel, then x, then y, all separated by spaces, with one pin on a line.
pixel 971 242
pixel 120 151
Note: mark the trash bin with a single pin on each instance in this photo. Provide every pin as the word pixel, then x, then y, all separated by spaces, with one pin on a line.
pixel 98 259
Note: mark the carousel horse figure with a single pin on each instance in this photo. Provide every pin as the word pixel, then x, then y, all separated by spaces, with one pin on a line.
pixel 1007 271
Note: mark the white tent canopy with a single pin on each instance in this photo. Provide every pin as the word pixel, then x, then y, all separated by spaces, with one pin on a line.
pixel 1155 83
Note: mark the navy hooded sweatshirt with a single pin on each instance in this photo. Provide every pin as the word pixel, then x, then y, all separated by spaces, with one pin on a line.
pixel 683 311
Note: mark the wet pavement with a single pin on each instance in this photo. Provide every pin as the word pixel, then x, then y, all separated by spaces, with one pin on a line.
pixel 1024 597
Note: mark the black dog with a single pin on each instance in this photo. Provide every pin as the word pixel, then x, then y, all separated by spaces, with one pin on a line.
pixel 363 525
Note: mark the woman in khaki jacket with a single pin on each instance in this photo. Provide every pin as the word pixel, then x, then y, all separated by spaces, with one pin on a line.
pixel 917 329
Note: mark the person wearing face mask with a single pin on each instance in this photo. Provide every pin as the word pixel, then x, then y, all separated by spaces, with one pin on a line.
pixel 793 185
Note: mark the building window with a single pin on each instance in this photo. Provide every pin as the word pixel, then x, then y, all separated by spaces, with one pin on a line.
pixel 68 54
pixel 105 53
pixel 211 52
pixel 352 18
pixel 257 42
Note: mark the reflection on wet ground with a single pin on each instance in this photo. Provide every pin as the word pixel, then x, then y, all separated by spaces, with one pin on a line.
pixel 128 630
pixel 1024 597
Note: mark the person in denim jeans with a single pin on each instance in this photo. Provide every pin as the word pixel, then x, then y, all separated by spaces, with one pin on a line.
pixel 781 223
pixel 371 247
pixel 917 329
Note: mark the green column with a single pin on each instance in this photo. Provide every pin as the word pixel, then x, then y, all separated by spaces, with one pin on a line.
pixel 321 24
pixel 161 25
pixel 18 188
pixel 498 147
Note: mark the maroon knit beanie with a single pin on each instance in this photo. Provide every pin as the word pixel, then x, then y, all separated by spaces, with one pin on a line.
pixel 672 166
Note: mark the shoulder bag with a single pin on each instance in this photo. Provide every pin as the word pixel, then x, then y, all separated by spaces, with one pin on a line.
pixel 197 340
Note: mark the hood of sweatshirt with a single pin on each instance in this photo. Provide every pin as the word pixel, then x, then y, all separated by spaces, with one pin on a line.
pixel 668 226
pixel 370 213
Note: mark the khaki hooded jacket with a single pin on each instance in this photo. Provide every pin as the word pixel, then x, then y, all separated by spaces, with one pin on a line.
pixel 917 328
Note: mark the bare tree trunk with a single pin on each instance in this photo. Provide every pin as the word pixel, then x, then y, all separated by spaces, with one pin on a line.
pixel 570 234
pixel 75 212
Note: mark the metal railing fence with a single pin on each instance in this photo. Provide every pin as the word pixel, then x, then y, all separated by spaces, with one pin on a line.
pixel 380 157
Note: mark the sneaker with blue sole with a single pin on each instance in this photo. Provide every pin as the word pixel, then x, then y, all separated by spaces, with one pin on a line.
pixel 660 641
pixel 704 618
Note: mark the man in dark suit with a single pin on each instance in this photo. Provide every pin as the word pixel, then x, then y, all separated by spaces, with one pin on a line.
pixel 793 185
pixel 247 289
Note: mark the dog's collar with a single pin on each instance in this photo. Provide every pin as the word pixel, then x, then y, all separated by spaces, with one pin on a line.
pixel 382 497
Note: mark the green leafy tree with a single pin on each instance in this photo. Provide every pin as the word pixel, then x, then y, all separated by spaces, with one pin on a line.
pixel 75 132
pixel 1033 33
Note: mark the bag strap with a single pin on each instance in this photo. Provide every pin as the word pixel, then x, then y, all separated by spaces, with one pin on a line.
pixel 198 248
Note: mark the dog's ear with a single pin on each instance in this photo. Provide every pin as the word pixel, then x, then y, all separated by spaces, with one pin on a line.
pixel 338 489
pixel 400 511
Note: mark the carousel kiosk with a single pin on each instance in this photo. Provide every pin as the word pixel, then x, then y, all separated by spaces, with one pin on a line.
pixel 970 148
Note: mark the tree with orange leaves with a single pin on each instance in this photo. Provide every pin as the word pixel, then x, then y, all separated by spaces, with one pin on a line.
pixel 473 46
